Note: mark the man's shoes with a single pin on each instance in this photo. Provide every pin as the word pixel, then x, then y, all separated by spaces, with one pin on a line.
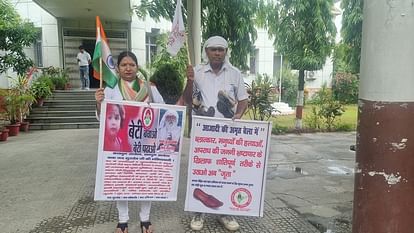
pixel 87 88
pixel 197 222
pixel 229 223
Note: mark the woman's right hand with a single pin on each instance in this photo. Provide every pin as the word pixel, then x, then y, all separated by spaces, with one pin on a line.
pixel 99 95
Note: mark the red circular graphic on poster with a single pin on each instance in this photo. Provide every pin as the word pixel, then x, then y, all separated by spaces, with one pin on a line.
pixel 241 198
pixel 147 118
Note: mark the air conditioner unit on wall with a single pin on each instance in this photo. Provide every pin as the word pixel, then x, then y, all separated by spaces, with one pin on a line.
pixel 310 75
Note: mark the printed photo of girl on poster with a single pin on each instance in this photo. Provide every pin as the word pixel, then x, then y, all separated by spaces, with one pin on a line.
pixel 115 117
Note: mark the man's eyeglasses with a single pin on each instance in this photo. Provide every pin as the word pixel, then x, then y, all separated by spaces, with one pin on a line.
pixel 214 49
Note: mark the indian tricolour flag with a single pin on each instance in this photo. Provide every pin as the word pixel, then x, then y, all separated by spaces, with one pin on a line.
pixel 103 52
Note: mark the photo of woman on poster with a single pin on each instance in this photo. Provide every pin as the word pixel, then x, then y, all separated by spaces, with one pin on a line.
pixel 115 117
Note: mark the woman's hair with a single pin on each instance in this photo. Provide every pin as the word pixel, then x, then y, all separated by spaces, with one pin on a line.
pixel 124 54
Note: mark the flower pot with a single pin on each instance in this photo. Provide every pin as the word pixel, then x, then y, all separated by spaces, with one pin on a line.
pixel 13 129
pixel 24 126
pixel 68 86
pixel 4 135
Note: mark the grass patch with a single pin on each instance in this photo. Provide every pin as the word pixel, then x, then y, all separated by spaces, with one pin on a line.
pixel 282 124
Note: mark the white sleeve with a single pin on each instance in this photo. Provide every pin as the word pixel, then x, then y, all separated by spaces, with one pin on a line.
pixel 241 89
pixel 156 95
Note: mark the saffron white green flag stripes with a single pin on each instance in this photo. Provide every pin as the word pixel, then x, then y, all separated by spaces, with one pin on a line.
pixel 177 36
pixel 103 52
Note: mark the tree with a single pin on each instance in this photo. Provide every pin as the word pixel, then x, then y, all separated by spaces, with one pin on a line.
pixel 15 34
pixel 162 57
pixel 352 33
pixel 232 19
pixel 304 33
pixel 168 81
pixel 169 72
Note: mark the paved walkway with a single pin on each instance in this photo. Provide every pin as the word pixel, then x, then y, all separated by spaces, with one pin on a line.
pixel 47 181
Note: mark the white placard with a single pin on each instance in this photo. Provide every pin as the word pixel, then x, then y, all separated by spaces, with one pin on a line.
pixel 227 166
pixel 139 151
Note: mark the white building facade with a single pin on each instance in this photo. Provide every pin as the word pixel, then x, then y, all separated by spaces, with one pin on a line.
pixel 66 24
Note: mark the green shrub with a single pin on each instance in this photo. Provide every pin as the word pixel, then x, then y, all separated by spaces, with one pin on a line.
pixel 313 120
pixel 46 80
pixel 344 127
pixel 261 96
pixel 59 82
pixel 328 108
pixel 41 88
pixel 179 62
pixel 58 76
pixel 289 86
pixel 345 88
pixel 168 82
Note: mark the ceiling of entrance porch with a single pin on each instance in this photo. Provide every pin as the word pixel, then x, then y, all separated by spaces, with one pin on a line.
pixel 118 10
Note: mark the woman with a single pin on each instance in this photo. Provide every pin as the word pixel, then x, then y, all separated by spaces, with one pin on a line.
pixel 130 87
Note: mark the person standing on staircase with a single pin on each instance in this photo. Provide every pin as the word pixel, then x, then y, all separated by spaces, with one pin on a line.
pixel 84 59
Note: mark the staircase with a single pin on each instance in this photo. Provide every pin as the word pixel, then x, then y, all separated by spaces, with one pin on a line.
pixel 72 109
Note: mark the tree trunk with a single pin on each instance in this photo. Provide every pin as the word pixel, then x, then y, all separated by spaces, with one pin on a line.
pixel 299 100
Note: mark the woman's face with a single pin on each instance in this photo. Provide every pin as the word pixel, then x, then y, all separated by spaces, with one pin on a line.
pixel 113 121
pixel 127 69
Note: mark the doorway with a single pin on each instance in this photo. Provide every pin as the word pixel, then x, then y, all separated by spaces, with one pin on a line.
pixel 89 46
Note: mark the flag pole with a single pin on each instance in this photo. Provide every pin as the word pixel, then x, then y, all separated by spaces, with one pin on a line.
pixel 100 73
pixel 188 50
pixel 189 105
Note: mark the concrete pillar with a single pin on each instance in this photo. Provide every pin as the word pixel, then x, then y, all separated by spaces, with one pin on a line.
pixel 194 30
pixel 194 43
pixel 197 31
pixel 384 177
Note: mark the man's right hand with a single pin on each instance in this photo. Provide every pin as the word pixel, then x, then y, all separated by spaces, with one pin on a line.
pixel 190 73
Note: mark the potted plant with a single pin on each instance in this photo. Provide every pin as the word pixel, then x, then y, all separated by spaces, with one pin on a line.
pixel 58 76
pixel 41 89
pixel 22 99
pixel 15 103
pixel 18 99
pixel 4 134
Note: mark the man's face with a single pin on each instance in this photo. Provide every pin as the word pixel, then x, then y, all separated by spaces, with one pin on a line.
pixel 216 55
pixel 82 50
pixel 170 121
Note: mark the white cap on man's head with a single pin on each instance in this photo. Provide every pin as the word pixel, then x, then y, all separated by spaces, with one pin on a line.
pixel 216 41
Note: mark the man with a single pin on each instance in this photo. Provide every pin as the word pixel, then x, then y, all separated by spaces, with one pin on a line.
pixel 218 91
pixel 169 132
pixel 84 59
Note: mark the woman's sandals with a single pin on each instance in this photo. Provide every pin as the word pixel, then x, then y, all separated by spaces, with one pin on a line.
pixel 146 227
pixel 122 228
